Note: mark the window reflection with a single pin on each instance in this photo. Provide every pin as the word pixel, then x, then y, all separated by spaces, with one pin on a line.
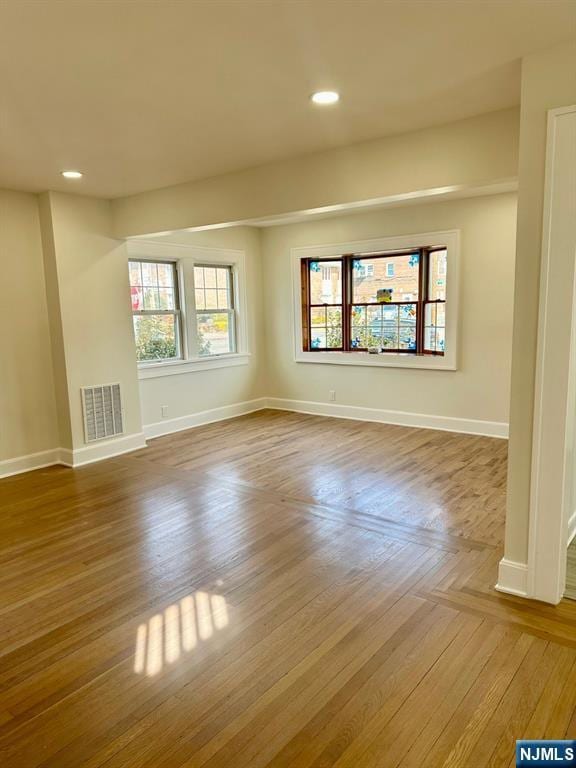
pixel 178 629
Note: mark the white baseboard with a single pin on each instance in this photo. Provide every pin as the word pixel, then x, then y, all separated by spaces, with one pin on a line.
pixel 27 463
pixel 104 449
pixel 571 528
pixel 512 578
pixel 401 418
pixel 109 448
pixel 168 426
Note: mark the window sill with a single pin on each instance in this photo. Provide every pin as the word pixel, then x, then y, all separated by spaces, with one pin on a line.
pixel 194 365
pixel 383 360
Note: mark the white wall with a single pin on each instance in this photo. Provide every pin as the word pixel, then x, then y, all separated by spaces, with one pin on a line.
pixel 468 153
pixel 28 421
pixel 479 389
pixel 190 393
pixel 94 305
pixel 84 329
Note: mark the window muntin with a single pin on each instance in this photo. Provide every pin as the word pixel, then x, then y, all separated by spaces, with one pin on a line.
pixel 392 302
pixel 155 310
pixel 215 315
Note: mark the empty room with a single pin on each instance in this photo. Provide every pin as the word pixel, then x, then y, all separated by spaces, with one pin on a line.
pixel 287 383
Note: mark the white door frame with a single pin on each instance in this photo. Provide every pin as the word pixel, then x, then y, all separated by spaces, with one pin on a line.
pixel 553 456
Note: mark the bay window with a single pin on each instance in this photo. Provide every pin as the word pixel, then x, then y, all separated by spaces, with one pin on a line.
pixel 377 302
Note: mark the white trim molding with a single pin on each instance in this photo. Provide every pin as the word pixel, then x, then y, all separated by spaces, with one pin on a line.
pixel 104 449
pixel 200 418
pixel 553 442
pixel 196 365
pixel 16 466
pixel 512 578
pixel 447 362
pixel 400 418
pixel 571 528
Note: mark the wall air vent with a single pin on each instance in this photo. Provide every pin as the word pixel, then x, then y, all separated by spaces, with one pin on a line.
pixel 102 408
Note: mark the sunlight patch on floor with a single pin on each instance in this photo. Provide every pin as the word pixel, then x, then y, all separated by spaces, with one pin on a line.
pixel 165 637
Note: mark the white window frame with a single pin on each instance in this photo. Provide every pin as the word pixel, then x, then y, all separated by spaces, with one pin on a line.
pixel 186 258
pixel 176 312
pixel 447 362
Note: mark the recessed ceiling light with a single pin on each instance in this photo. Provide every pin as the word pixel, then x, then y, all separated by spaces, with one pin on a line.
pixel 72 174
pixel 325 97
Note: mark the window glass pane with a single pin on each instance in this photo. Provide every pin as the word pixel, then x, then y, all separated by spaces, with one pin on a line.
pixel 149 273
pixel 151 298
pixel 156 337
pixel 390 320
pixel 223 299
pixel 135 273
pixel 199 294
pixel 440 339
pixel 374 318
pixel 407 327
pixel 334 337
pixel 334 327
pixel 326 327
pixel 211 298
pixel 214 333
pixel 222 278
pixel 166 275
pixel 334 316
pixel 199 277
pixel 358 316
pixel 441 315
pixel 396 277
pixel 437 275
pixel 325 282
pixel 364 337
pixel 166 298
pixel 434 327
pixel 318 338
pixel 390 337
pixel 434 339
pixel 317 316
pixel 209 276
pixel 137 299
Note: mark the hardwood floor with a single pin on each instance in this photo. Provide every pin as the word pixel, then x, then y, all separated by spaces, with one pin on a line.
pixel 274 590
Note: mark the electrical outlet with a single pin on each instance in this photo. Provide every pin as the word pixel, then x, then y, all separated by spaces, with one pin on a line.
pixel 164 411
pixel 332 395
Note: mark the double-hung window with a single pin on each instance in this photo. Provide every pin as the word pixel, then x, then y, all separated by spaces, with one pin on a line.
pixel 183 310
pixel 378 302
pixel 214 305
pixel 156 310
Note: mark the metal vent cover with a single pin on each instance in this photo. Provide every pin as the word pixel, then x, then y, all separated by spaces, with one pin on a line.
pixel 102 409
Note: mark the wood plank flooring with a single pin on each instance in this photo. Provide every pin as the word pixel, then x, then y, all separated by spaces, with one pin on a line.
pixel 274 590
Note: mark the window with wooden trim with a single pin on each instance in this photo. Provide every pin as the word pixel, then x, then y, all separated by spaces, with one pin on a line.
pixel 155 310
pixel 377 302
